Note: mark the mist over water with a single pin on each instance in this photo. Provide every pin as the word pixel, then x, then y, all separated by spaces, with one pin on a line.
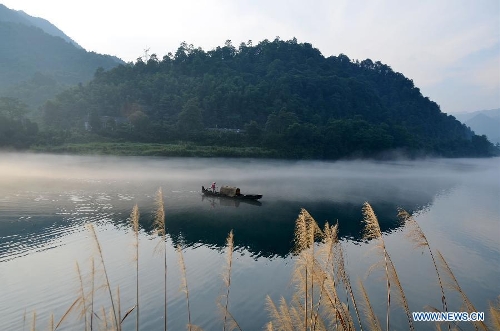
pixel 45 201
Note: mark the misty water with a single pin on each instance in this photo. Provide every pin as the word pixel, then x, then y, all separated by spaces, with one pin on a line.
pixel 46 201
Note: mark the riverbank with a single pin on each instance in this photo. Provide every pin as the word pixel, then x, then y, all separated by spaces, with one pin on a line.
pixel 152 149
pixel 189 149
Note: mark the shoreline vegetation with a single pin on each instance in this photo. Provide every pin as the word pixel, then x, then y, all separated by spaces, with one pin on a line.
pixel 323 298
pixel 190 149
pixel 157 149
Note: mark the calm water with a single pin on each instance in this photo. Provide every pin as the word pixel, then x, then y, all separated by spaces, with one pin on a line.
pixel 45 202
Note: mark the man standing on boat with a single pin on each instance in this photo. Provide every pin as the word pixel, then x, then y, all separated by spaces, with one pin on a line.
pixel 213 187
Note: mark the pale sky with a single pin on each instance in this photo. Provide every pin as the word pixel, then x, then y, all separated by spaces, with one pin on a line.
pixel 449 48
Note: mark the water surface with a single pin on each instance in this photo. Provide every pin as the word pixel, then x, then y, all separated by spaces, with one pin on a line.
pixel 46 200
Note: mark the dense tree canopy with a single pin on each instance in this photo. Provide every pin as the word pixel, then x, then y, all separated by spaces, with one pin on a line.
pixel 277 94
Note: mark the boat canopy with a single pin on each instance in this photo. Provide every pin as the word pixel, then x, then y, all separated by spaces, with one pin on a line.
pixel 229 191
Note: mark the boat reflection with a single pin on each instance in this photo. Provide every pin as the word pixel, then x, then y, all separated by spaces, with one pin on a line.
pixel 228 202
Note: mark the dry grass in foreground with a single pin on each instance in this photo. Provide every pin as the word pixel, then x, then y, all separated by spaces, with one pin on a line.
pixel 324 298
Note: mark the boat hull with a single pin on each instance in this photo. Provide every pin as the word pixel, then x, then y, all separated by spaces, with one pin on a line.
pixel 209 193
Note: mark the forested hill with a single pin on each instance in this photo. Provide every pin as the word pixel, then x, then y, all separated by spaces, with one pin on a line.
pixel 281 95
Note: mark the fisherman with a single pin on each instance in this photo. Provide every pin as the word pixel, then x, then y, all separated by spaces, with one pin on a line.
pixel 213 187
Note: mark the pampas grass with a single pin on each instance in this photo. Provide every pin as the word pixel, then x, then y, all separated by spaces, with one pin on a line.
pixel 226 277
pixel 108 286
pixel 372 231
pixel 417 236
pixel 83 302
pixel 184 285
pixel 495 314
pixel 453 284
pixel 134 220
pixel 33 323
pixel 373 321
pixel 92 291
pixel 160 229
pixel 51 323
pixel 323 297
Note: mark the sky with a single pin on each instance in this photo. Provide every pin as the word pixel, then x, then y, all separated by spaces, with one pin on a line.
pixel 449 48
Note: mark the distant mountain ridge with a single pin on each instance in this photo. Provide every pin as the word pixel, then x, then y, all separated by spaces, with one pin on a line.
pixel 483 122
pixel 37 60
pixel 8 15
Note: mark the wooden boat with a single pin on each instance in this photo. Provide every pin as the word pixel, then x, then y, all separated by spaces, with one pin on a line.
pixel 230 192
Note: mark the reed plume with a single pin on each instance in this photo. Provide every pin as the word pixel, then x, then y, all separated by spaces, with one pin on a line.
pixel 372 231
pixel 160 229
pixel 306 231
pixel 99 250
pixel 329 272
pixel 282 319
pixel 134 219
pixel 417 236
pixel 315 304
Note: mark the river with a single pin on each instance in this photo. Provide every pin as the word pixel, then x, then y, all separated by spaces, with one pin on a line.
pixel 46 201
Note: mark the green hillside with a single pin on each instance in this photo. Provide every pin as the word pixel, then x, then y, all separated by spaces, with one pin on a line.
pixel 281 95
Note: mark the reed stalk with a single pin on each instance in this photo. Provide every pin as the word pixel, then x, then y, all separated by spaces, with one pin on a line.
pixel 105 318
pixel 51 322
pixel 160 228
pixel 82 295
pixel 66 314
pixel 99 250
pixel 184 285
pixel 33 323
pixel 119 325
pixel 92 291
pixel 495 314
pixel 306 230
pixel 372 231
pixel 454 285
pixel 227 274
pixel 368 310
pixel 344 276
pixel 329 241
pixel 419 239
pixel 134 219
